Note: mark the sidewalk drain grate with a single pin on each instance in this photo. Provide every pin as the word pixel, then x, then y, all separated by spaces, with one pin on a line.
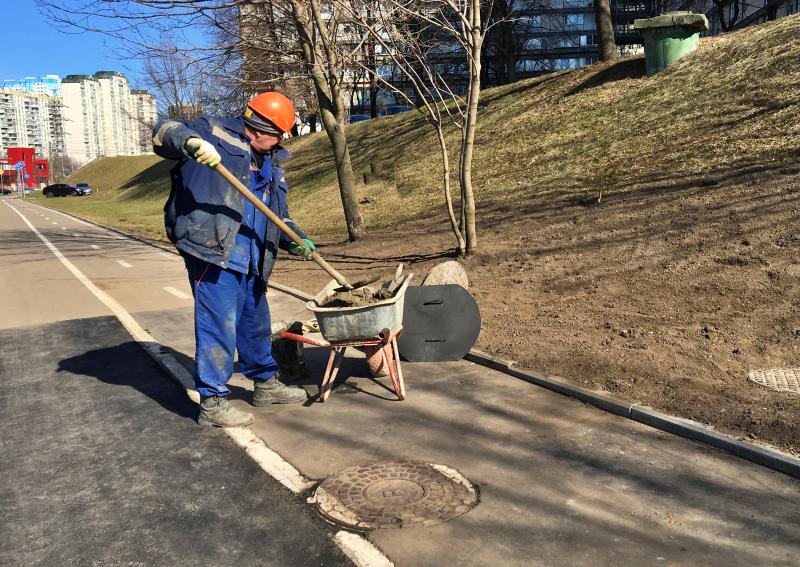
pixel 395 494
pixel 780 379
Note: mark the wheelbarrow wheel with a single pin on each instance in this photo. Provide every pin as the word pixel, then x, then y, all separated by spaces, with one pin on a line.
pixel 375 361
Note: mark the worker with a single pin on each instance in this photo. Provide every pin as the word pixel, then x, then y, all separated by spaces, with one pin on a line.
pixel 229 248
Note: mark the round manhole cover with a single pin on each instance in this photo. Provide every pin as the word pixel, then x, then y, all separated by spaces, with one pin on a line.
pixel 395 494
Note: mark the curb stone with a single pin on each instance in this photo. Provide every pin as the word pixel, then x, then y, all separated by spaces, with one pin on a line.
pixel 770 458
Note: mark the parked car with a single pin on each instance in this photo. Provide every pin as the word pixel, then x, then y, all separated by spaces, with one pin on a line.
pixel 5 191
pixel 59 190
pixel 392 110
pixel 84 188
pixel 358 118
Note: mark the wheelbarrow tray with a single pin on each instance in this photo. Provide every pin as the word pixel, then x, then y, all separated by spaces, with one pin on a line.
pixel 364 322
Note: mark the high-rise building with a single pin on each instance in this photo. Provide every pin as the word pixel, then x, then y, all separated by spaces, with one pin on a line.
pixel 83 118
pixel 31 121
pixel 103 117
pixel 48 85
pixel 145 117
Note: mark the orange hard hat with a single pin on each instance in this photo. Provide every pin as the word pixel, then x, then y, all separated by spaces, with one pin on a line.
pixel 272 106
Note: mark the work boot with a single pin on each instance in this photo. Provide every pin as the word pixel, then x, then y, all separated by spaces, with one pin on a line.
pixel 218 412
pixel 273 391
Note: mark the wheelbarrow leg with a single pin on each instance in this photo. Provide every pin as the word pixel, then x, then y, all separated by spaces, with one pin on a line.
pixel 334 362
pixel 392 365
pixel 396 353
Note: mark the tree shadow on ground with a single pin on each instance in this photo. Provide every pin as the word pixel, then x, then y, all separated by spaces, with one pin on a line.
pixel 625 69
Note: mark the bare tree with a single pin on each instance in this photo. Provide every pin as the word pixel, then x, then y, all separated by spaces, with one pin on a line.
pixel 728 13
pixel 61 166
pixel 408 32
pixel 500 49
pixel 142 23
pixel 169 75
pixel 605 30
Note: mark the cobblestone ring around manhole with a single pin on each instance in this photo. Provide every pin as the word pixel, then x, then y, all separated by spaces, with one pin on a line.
pixel 395 494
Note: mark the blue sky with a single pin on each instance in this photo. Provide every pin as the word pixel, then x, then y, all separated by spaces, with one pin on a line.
pixel 32 47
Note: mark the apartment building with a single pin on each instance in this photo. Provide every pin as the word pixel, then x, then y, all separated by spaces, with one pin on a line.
pixel 49 85
pixel 145 115
pixel 31 121
pixel 83 118
pixel 103 117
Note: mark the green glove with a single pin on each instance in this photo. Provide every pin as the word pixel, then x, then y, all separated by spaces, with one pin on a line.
pixel 304 250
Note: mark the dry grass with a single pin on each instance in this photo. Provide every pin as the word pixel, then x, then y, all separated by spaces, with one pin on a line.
pixel 128 193
pixel 733 101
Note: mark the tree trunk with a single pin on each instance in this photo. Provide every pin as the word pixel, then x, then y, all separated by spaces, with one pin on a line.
pixel 605 30
pixel 332 109
pixel 344 173
pixel 500 37
pixel 460 244
pixel 468 131
pixel 772 9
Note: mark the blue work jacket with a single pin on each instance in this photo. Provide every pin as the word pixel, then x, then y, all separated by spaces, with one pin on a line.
pixel 203 213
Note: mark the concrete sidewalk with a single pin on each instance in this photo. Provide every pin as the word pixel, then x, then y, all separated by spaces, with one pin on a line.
pixel 560 483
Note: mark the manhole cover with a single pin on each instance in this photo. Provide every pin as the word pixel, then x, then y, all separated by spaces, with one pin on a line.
pixel 780 379
pixel 395 494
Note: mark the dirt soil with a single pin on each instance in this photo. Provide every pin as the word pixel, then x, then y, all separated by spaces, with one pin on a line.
pixel 358 297
pixel 666 296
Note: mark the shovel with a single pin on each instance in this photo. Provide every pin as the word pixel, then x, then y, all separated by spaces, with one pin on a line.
pixel 340 279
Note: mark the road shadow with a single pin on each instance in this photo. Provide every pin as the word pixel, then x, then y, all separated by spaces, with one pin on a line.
pixel 118 365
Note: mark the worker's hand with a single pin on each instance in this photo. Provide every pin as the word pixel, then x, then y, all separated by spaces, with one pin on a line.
pixel 304 250
pixel 203 152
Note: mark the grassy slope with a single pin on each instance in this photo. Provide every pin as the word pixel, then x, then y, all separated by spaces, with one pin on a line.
pixel 734 100
pixel 129 193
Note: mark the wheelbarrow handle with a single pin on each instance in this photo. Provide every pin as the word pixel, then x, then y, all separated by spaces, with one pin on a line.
pixel 223 171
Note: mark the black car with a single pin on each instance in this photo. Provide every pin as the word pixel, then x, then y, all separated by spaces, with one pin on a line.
pixel 59 190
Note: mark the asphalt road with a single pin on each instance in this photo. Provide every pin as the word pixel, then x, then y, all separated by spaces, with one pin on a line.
pixel 102 462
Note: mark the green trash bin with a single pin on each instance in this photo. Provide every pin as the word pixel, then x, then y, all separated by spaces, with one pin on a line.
pixel 669 37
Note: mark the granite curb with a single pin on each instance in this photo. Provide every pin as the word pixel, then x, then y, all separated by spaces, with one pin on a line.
pixel 770 458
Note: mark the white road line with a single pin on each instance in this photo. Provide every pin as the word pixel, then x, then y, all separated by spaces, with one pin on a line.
pixel 270 461
pixel 255 447
pixel 94 246
pixel 360 550
pixel 63 228
pixel 46 218
pixel 54 222
pixel 124 264
pixel 83 222
pixel 176 292
pixel 76 235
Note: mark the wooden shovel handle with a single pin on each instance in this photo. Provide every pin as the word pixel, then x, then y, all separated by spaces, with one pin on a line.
pixel 223 171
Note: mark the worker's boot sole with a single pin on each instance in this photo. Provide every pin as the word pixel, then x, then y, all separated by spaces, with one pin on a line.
pixel 209 422
pixel 278 394
pixel 266 402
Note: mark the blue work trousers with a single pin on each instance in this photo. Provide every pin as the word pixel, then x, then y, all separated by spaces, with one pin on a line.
pixel 230 312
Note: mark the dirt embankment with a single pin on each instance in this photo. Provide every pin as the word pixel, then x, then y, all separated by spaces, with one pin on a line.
pixel 666 296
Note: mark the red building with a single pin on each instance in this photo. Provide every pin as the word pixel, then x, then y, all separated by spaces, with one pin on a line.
pixel 37 170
